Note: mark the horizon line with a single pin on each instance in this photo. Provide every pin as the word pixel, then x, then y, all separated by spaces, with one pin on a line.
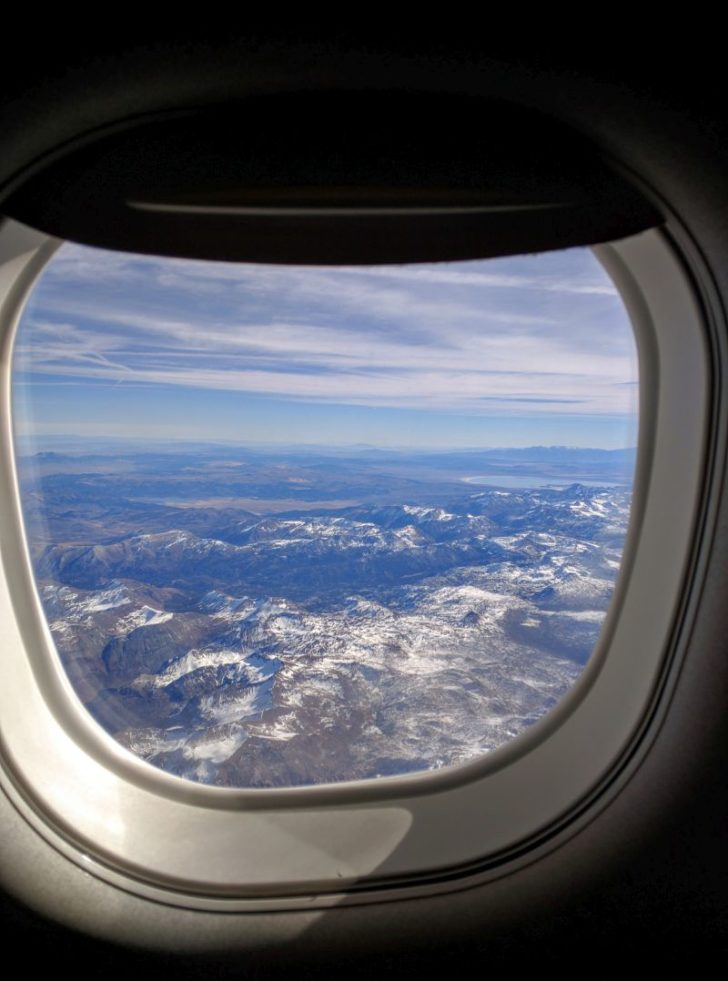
pixel 30 438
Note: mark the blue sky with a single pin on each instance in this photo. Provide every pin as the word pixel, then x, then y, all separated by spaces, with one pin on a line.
pixel 505 352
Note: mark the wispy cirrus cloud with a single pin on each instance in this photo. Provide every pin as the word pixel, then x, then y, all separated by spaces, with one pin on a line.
pixel 537 331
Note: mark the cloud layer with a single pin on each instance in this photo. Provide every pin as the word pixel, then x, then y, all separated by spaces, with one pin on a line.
pixel 541 332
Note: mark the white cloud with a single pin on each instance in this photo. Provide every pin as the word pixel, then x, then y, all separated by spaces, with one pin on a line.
pixel 442 337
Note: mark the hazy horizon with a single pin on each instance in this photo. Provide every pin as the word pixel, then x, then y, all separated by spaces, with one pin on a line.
pixel 32 442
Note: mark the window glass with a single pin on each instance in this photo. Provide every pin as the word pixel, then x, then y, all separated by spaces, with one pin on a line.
pixel 298 525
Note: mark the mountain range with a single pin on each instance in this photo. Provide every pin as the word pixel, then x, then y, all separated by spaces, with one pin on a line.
pixel 253 619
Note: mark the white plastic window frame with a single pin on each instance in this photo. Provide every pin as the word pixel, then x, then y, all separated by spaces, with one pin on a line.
pixel 212 848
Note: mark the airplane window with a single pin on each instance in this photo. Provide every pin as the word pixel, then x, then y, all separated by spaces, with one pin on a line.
pixel 303 525
pixel 366 487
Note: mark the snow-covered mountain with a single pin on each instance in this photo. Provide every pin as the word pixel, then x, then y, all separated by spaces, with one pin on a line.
pixel 329 643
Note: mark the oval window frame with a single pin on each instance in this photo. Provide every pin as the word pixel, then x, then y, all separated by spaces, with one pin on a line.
pixel 251 849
